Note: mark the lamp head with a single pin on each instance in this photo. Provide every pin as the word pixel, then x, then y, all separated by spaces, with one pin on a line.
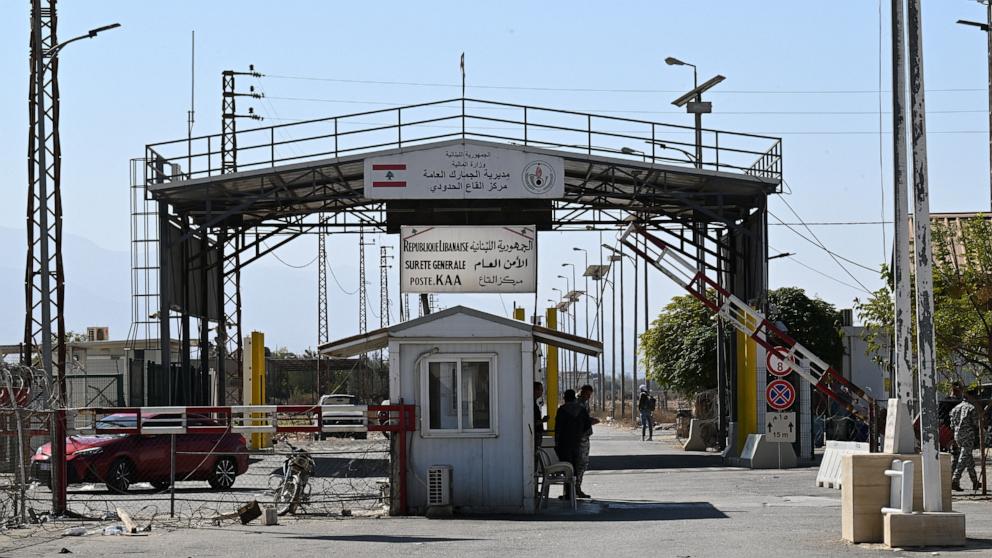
pixel 672 61
pixel 94 32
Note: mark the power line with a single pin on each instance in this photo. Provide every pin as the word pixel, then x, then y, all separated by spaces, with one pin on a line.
pixel 824 274
pixel 622 111
pixel 833 255
pixel 832 223
pixel 609 90
pixel 287 264
pixel 820 245
pixel 766 133
pixel 343 290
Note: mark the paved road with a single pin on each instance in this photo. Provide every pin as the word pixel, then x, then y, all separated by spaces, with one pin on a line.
pixel 650 500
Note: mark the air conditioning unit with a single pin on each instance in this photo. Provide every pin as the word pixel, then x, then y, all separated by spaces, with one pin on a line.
pixel 98 333
pixel 439 485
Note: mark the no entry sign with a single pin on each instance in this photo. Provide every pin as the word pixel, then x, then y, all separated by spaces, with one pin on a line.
pixel 780 395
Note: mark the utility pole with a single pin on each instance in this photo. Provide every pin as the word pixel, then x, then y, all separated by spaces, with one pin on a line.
pixel 633 350
pixel 647 382
pixel 323 328
pixel 623 364
pixel 903 343
pixel 926 361
pixel 44 277
pixel 230 116
pixel 384 268
pixel 405 308
pixel 363 294
pixel 229 342
pixel 613 338
pixel 44 321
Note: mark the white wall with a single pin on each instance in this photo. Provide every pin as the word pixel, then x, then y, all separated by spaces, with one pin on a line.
pixel 859 367
pixel 491 474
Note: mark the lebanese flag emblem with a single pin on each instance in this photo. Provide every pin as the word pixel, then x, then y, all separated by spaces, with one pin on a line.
pixel 391 175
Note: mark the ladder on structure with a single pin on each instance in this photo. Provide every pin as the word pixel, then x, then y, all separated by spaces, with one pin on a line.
pixel 752 323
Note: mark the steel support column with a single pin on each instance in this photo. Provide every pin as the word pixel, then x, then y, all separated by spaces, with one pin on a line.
pixel 203 398
pixel 222 333
pixel 164 295
pixel 186 367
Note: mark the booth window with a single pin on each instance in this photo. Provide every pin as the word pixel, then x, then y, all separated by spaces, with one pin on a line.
pixel 459 394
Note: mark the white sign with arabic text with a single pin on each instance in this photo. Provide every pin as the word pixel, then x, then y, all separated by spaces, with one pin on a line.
pixel 468 259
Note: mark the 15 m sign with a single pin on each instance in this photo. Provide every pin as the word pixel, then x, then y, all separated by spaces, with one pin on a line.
pixel 468 259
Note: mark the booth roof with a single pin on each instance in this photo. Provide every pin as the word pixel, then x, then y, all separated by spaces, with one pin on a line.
pixel 379 338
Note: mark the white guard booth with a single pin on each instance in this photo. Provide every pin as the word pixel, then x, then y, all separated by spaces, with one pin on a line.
pixel 470 376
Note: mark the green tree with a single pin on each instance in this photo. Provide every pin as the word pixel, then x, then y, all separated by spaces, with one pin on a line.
pixel 962 294
pixel 812 322
pixel 679 349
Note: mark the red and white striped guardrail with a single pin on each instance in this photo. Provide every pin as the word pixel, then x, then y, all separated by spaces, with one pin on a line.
pixel 243 419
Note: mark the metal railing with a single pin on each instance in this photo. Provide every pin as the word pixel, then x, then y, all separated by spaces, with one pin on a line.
pixel 569 131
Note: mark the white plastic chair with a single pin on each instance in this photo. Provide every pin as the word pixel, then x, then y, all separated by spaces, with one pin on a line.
pixel 555 472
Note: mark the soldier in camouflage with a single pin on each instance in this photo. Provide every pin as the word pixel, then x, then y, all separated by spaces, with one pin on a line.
pixel 964 421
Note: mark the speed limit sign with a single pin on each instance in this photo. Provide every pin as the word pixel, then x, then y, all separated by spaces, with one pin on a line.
pixel 779 364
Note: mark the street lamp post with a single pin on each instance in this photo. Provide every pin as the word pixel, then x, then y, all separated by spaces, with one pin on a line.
pixel 693 102
pixel 585 326
pixel 692 158
pixel 562 326
pixel 987 27
pixel 45 259
pixel 671 61
pixel 41 68
pixel 575 322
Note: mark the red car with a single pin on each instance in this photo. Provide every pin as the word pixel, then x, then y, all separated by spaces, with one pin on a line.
pixel 120 460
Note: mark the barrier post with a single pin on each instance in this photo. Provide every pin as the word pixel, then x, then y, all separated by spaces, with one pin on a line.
pixel 402 457
pixel 59 477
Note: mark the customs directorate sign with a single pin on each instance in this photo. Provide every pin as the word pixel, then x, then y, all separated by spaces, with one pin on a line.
pixel 468 259
pixel 465 171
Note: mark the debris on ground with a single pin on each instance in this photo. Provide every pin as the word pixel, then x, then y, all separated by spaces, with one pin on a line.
pixel 74 532
pixel 245 513
pixel 113 530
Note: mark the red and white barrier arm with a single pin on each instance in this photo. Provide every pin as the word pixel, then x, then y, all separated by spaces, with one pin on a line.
pixel 749 321
pixel 244 419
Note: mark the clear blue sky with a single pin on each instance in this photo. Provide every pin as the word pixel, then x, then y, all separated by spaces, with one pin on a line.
pixel 808 71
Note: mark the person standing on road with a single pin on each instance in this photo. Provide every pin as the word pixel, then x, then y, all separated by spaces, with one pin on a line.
pixel 585 393
pixel 571 422
pixel 646 405
pixel 964 421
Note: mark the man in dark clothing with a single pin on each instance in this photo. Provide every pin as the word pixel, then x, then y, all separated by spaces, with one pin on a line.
pixel 539 418
pixel 571 423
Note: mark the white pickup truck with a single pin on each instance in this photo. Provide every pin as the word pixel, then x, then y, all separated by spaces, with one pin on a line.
pixel 346 415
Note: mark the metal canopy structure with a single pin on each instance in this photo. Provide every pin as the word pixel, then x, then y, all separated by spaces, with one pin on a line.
pixel 306 177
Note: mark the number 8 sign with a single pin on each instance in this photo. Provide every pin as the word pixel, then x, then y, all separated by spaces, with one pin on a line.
pixel 778 364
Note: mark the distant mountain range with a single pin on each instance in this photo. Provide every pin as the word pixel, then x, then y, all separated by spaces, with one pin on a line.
pixel 98 287
pixel 278 300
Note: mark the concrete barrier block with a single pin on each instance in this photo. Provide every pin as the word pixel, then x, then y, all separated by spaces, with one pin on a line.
pixel 761 453
pixel 695 440
pixel 924 529
pixel 865 491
